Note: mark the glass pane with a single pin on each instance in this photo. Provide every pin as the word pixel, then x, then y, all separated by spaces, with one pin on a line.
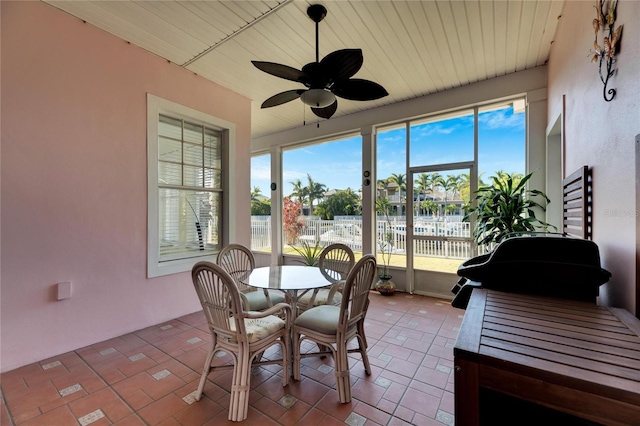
pixel 169 150
pixel 261 203
pixel 442 140
pixel 169 173
pixel 213 157
pixel 193 154
pixel 170 127
pixel 501 141
pixel 212 179
pixel 391 196
pixel 437 193
pixel 438 201
pixel 212 138
pixel 192 176
pixel 193 133
pixel 322 194
pixel 189 223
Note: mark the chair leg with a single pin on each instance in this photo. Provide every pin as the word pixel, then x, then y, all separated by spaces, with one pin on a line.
pixel 206 370
pixel 361 333
pixel 343 380
pixel 239 403
pixel 362 343
pixel 296 356
pixel 322 348
pixel 286 358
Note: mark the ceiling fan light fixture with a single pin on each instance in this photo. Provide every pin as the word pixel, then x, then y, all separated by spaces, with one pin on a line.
pixel 318 98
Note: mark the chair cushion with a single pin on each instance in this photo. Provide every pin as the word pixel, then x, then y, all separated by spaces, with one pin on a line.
pixel 321 298
pixel 258 301
pixel 259 328
pixel 323 319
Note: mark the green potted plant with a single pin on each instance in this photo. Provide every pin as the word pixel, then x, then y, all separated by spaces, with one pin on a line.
pixel 310 253
pixel 384 285
pixel 504 207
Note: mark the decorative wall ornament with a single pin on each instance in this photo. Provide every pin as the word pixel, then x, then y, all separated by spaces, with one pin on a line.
pixel 605 55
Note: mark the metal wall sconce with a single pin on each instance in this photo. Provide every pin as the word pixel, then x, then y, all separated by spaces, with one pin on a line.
pixel 605 55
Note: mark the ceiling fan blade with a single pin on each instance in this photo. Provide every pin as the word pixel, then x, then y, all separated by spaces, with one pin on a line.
pixel 326 112
pixel 357 89
pixel 279 70
pixel 342 64
pixel 282 98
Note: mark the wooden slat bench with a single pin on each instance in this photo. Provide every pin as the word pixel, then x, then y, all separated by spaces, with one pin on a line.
pixel 562 356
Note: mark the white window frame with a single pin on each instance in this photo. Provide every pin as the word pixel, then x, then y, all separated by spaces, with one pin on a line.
pixel 155 107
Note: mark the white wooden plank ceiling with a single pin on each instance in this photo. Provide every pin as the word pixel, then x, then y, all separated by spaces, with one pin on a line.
pixel 412 48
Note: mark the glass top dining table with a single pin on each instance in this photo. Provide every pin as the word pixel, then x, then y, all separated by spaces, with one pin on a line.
pixel 286 278
pixel 294 280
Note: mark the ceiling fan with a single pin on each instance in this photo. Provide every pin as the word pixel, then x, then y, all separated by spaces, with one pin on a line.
pixel 324 79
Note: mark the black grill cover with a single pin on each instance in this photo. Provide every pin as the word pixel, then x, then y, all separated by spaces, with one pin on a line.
pixel 542 264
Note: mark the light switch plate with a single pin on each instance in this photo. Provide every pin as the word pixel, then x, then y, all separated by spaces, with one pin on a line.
pixel 64 290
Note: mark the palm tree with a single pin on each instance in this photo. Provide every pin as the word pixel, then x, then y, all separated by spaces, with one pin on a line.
pixel 299 191
pixel 464 187
pixel 422 186
pixel 315 191
pixel 383 205
pixel 255 193
pixel 356 205
pixel 434 182
pixel 450 208
pixel 450 184
pixel 429 205
pixel 400 180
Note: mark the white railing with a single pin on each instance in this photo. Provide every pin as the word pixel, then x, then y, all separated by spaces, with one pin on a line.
pixel 260 232
pixel 349 231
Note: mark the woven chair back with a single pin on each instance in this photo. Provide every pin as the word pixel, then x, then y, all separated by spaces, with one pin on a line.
pixel 355 295
pixel 220 300
pixel 336 260
pixel 238 261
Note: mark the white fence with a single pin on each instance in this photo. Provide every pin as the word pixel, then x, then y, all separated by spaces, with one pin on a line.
pixel 431 237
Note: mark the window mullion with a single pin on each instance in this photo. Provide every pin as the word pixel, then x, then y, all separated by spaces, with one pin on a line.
pixel 202 162
pixel 182 153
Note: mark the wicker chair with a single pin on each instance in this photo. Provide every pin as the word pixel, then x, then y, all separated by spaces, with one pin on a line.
pixel 242 334
pixel 335 262
pixel 332 327
pixel 238 261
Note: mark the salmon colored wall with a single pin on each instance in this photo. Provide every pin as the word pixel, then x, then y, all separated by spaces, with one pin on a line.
pixel 601 134
pixel 74 179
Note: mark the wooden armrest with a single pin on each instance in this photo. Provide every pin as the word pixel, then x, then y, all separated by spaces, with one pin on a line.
pixel 336 287
pixel 271 311
pixel 245 301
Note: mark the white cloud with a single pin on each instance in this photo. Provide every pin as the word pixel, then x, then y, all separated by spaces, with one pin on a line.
pixel 499 120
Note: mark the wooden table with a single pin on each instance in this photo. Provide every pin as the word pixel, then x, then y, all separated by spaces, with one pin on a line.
pixel 575 359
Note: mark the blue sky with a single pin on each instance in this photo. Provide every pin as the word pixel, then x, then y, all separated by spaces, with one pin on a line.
pixel 337 164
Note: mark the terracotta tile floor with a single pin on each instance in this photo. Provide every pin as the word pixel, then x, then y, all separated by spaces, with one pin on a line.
pixel 147 377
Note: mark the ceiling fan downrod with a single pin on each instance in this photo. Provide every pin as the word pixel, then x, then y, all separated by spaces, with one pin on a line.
pixel 317 13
